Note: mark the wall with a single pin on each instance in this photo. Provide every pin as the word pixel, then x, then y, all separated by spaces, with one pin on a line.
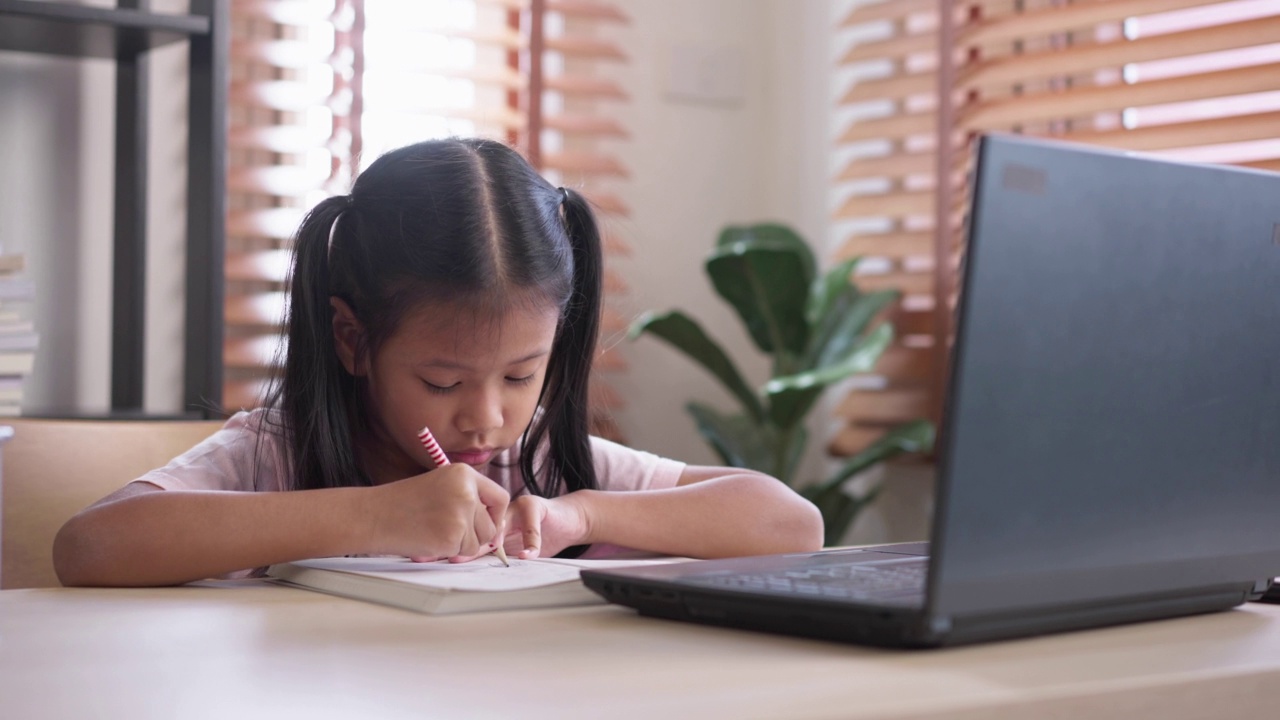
pixel 56 138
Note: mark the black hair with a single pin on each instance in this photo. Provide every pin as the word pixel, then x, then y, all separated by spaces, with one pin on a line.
pixel 442 221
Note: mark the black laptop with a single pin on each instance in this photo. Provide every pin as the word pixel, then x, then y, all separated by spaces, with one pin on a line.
pixel 1110 450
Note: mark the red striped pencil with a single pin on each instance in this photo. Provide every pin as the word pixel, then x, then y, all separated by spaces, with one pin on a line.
pixel 440 459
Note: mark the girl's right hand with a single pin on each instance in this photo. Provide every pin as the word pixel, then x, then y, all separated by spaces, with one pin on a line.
pixel 452 512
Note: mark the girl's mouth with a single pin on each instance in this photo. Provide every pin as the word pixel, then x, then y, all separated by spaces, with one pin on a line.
pixel 472 456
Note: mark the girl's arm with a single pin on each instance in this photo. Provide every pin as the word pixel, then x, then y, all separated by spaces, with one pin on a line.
pixel 142 535
pixel 712 512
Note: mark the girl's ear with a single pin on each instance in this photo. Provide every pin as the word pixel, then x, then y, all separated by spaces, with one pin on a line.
pixel 347 336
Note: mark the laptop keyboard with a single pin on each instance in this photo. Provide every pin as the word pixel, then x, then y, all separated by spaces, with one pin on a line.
pixel 896 581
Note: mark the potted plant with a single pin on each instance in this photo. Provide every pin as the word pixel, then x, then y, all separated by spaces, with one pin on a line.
pixel 818 329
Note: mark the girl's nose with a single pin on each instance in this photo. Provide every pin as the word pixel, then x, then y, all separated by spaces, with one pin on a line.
pixel 481 413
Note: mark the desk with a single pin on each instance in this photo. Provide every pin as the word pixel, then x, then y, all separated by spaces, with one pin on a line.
pixel 263 651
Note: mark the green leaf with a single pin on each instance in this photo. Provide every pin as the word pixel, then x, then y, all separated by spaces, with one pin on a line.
pixel 838 333
pixel 839 509
pixel 914 436
pixel 738 440
pixel 773 233
pixel 686 335
pixel 833 288
pixel 767 283
pixel 790 397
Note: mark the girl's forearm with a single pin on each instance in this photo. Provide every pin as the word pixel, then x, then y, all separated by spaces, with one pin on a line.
pixel 747 514
pixel 170 537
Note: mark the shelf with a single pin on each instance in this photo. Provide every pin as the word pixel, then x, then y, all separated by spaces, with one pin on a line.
pixel 100 415
pixel 97 32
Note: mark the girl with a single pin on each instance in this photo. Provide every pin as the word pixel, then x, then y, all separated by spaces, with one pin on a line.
pixel 453 288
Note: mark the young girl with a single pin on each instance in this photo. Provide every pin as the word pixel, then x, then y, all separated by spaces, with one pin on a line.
pixel 456 289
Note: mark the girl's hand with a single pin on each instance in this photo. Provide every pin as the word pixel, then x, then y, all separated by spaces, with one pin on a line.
pixel 539 526
pixel 452 512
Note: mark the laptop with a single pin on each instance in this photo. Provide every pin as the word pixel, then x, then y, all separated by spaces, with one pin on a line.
pixel 1110 447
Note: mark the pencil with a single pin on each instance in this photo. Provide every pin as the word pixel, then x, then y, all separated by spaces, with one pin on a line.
pixel 440 459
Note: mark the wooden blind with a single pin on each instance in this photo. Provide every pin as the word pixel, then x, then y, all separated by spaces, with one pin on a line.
pixel 323 88
pixel 293 129
pixel 1188 79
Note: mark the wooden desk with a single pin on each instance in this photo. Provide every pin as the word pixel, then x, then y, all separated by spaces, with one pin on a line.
pixel 273 652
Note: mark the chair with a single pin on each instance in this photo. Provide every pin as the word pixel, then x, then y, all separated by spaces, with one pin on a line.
pixel 52 469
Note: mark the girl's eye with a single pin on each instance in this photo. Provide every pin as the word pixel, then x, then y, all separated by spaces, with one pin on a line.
pixel 522 380
pixel 440 389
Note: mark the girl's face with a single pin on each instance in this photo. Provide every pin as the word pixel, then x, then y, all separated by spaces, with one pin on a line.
pixel 473 379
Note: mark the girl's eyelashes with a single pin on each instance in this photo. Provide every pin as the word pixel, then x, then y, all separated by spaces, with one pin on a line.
pixel 522 380
pixel 439 389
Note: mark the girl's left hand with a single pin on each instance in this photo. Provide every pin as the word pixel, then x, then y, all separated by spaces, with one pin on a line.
pixel 542 527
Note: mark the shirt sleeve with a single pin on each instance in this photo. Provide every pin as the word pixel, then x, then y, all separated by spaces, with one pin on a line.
pixel 622 468
pixel 243 455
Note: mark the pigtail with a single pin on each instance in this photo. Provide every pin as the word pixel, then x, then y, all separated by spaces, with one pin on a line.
pixel 315 394
pixel 564 422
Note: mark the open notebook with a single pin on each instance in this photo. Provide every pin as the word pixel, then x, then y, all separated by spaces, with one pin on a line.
pixel 443 587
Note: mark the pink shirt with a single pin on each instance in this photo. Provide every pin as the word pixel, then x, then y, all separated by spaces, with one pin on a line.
pixel 244 455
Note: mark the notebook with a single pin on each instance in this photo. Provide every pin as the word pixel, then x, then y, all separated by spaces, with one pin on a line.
pixel 1109 448
pixel 442 587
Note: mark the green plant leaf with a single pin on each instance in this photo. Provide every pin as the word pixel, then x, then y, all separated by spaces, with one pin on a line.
pixel 774 233
pixel 790 397
pixel 838 333
pixel 767 283
pixel 686 335
pixel 738 440
pixel 914 436
pixel 839 510
pixel 832 288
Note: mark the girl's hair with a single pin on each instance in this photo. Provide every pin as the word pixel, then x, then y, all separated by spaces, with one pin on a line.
pixel 461 222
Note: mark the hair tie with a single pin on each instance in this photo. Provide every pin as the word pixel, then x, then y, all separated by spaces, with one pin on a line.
pixel 564 196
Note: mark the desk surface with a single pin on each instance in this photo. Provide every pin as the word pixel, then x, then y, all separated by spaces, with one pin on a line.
pixel 263 651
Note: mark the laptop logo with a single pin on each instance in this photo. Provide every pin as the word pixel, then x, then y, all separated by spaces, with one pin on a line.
pixel 1023 178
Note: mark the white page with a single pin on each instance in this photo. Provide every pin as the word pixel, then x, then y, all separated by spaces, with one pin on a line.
pixel 484 574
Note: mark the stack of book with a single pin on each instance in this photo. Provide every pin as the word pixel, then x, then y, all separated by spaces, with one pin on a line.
pixel 18 338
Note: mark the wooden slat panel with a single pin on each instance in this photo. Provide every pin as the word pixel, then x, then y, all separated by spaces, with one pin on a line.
pixel 495 117
pixel 585 163
pixel 896 87
pixel 251 352
pixel 602 395
pixel 611 321
pixel 259 310
pixel 1085 100
pixel 284 12
pixel 1020 68
pixel 589 9
pixel 282 95
pixel 887 10
pixel 266 223
pixel 899 204
pixel 893 127
pixel 892 48
pixel 610 360
pixel 282 180
pixel 586 47
pixel 895 245
pixel 608 202
pixel 872 407
pixel 1242 128
pixel 1272 165
pixel 908 283
pixel 586 85
pixel 852 440
pixel 1044 21
pixel 279 138
pixel 614 283
pixel 585 124
pixel 614 245
pixel 259 266
pixel 243 394
pixel 279 53
pixel 897 165
pixel 905 365
pixel 912 323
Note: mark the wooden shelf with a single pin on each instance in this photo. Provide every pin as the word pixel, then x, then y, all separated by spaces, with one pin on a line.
pixel 96 32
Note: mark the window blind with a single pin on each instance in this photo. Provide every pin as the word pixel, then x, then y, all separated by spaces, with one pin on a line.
pixel 1186 79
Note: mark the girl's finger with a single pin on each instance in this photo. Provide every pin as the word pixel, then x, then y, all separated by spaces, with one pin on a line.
pixel 531 530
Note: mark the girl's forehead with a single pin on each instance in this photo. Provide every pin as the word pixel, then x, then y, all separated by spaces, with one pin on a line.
pixel 459 329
